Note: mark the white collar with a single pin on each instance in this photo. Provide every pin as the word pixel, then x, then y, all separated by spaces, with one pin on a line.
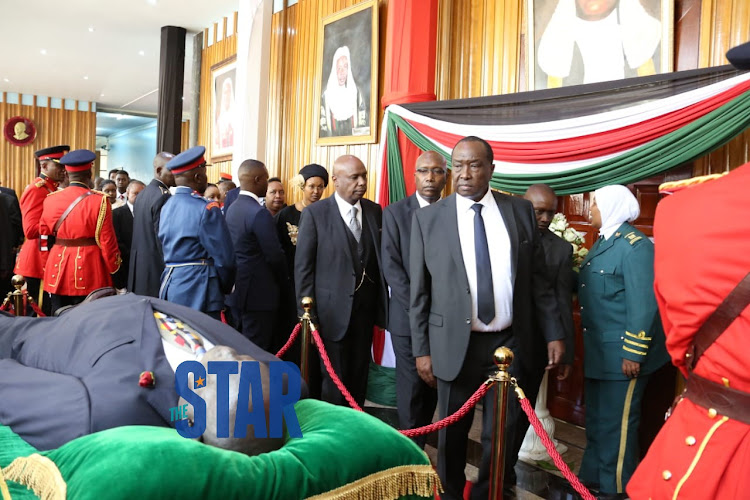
pixel 251 195
pixel 465 204
pixel 130 206
pixel 422 202
pixel 345 207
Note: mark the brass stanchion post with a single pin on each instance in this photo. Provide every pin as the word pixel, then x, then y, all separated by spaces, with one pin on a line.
pixel 306 340
pixel 503 359
pixel 19 296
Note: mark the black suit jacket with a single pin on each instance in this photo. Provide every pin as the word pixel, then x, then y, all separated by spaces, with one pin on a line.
pixel 261 265
pixel 324 264
pixel 558 256
pixel 122 220
pixel 146 256
pixel 68 376
pixel 396 243
pixel 13 209
pixel 441 309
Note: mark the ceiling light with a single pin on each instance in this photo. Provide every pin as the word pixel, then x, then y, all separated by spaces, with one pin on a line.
pixel 141 53
pixel 85 77
pixel 152 2
pixel 43 52
pixel 91 29
pixel 6 80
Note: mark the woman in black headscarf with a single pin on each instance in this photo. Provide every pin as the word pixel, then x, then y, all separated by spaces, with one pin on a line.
pixel 312 180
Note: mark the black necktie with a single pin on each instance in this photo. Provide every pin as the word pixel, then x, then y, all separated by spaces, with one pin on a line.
pixel 485 290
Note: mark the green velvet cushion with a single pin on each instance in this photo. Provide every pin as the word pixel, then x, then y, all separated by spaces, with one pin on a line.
pixel 338 447
pixel 12 447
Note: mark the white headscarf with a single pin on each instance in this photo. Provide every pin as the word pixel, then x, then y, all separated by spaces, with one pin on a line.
pixel 341 100
pixel 617 205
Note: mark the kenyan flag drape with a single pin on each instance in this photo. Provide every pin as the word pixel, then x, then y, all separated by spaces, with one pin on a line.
pixel 580 138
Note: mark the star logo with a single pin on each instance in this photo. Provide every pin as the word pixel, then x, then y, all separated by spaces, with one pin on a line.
pixel 200 382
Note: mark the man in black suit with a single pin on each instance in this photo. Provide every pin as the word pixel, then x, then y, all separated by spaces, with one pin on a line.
pixel 477 283
pixel 558 257
pixel 14 213
pixel 87 370
pixel 11 237
pixel 415 399
pixel 261 266
pixel 146 256
pixel 122 219
pixel 337 263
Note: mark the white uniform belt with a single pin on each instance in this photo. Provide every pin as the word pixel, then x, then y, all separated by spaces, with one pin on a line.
pixel 202 262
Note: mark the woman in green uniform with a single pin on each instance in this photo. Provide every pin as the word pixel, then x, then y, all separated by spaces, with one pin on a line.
pixel 622 335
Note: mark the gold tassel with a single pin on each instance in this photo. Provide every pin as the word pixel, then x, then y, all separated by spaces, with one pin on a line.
pixel 38 473
pixel 4 492
pixel 390 484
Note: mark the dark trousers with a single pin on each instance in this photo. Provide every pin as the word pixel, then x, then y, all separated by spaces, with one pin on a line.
pixel 350 356
pixel 257 326
pixel 452 440
pixel 613 415
pixel 58 301
pixel 415 400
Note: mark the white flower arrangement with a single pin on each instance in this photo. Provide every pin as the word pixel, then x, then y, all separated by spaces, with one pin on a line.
pixel 561 228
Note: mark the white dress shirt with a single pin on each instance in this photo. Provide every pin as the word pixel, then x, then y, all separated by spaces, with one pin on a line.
pixel 345 210
pixel 251 195
pixel 498 242
pixel 130 206
pixel 122 196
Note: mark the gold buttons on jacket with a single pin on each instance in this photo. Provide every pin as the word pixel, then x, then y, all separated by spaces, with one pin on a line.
pixel 666 475
pixel 690 440
pixel 712 413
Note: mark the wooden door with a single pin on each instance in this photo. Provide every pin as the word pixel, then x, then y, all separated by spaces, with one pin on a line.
pixel 565 399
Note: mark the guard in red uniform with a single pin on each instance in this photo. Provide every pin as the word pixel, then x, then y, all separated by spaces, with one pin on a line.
pixel 702 254
pixel 77 236
pixel 29 261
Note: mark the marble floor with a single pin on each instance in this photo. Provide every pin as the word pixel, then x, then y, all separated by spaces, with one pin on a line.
pixel 536 480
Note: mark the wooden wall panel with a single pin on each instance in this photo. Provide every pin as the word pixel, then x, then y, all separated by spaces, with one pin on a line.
pixel 211 54
pixel 479 48
pixel 53 127
pixel 724 24
pixel 292 115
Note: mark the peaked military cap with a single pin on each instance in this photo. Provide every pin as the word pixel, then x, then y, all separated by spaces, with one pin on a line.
pixel 739 56
pixel 187 160
pixel 223 176
pixel 78 160
pixel 54 153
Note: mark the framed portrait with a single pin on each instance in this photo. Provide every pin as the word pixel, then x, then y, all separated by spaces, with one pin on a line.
pixel 19 131
pixel 222 109
pixel 572 42
pixel 347 81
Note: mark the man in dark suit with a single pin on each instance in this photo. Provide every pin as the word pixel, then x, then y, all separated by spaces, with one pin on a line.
pixel 86 371
pixel 11 236
pixel 477 283
pixel 122 219
pixel 261 266
pixel 558 257
pixel 415 399
pixel 337 263
pixel 146 256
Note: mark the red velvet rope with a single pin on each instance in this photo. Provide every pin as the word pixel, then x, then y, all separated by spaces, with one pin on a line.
pixel 331 373
pixel 289 342
pixel 450 419
pixel 550 446
pixel 37 310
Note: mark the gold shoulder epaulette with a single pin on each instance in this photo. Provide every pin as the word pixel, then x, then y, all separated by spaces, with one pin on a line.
pixel 40 183
pixel 633 238
pixel 55 192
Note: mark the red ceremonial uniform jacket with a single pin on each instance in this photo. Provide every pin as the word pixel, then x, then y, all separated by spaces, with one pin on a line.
pixel 702 251
pixel 30 262
pixel 79 270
